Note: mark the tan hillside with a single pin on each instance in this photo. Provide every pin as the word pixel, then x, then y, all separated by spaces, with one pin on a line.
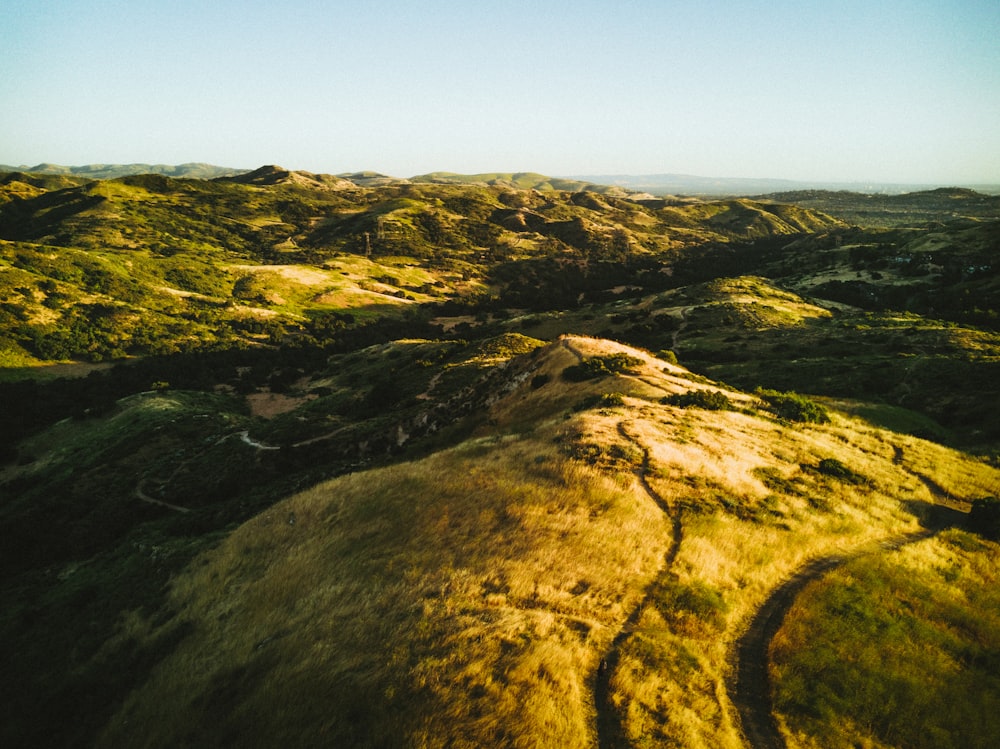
pixel 577 570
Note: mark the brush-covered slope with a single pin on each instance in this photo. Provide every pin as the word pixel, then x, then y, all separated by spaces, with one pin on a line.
pixel 191 170
pixel 575 570
pixel 151 264
pixel 521 180
pixel 908 209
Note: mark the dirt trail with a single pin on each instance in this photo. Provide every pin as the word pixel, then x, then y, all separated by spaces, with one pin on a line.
pixel 610 733
pixel 571 348
pixel 141 495
pixel 750 687
pixel 680 328
pixel 246 439
pixel 426 395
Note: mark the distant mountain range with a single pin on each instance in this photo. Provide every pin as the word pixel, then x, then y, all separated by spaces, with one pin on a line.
pixel 687 184
pixel 112 171
pixel 655 184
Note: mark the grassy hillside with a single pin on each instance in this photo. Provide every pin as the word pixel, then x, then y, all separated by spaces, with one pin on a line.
pixel 476 461
pixel 148 264
pixel 472 596
pixel 114 171
pixel 918 632
pixel 907 209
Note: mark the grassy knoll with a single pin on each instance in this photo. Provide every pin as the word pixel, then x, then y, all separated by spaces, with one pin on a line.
pixel 896 650
pixel 470 596
pixel 458 597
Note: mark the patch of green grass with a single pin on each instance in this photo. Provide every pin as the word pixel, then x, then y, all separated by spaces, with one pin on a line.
pixel 898 652
pixel 694 608
pixel 836 469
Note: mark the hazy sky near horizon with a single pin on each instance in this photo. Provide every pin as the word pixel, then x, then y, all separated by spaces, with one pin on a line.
pixel 841 90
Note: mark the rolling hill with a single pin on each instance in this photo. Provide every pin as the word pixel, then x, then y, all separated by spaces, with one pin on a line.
pixel 298 459
pixel 191 170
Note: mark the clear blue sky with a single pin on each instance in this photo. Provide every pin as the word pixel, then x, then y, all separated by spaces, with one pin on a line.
pixel 853 90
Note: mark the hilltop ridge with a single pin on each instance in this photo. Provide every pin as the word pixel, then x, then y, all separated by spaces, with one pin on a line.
pixel 597 516
pixel 192 170
pixel 660 185
pixel 292 457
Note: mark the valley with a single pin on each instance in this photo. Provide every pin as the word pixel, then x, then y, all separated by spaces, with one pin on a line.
pixel 495 460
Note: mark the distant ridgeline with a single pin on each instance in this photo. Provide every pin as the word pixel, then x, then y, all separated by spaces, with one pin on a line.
pixel 154 265
pixel 113 171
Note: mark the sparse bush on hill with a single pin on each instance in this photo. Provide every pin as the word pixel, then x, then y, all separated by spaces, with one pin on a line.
pixel 984 518
pixel 834 468
pixel 794 407
pixel 600 366
pixel 604 400
pixel 710 400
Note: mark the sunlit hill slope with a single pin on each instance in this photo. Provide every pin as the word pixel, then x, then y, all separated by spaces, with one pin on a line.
pixel 471 597
pixel 293 459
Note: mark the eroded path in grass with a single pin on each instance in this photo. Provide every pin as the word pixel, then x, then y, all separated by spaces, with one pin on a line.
pixel 680 328
pixel 750 689
pixel 610 733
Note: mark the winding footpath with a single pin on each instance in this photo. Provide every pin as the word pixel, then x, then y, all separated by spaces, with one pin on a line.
pixel 750 687
pixel 610 733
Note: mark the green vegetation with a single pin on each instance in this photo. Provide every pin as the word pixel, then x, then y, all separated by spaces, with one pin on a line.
pixel 896 652
pixel 984 518
pixel 794 407
pixel 836 469
pixel 292 457
pixel 600 366
pixel 710 400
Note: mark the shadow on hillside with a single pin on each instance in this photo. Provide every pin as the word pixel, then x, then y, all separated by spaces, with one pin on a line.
pixel 937 517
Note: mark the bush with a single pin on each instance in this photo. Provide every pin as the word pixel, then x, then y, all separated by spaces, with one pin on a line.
pixel 600 366
pixel 538 381
pixel 984 518
pixel 605 400
pixel 836 469
pixel 794 407
pixel 710 400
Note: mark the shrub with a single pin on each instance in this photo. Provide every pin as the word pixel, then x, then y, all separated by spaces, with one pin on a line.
pixel 984 518
pixel 794 407
pixel 538 381
pixel 836 469
pixel 774 480
pixel 710 400
pixel 605 400
pixel 600 366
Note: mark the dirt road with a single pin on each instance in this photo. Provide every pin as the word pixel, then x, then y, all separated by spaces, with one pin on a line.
pixel 750 689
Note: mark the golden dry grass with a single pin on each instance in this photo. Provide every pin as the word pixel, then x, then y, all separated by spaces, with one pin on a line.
pixel 467 599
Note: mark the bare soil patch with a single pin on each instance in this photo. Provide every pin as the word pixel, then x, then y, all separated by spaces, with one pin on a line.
pixel 269 405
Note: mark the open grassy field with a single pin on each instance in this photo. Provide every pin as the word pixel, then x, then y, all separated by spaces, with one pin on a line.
pixel 896 650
